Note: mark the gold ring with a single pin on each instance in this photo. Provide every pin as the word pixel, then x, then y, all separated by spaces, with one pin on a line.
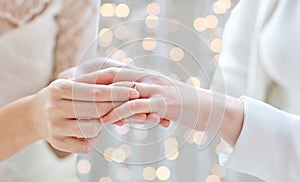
pixel 133 85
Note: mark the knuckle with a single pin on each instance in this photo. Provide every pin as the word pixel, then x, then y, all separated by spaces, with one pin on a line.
pixel 113 71
pixel 60 86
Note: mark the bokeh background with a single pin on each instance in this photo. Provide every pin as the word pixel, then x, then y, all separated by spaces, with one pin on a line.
pixel 195 27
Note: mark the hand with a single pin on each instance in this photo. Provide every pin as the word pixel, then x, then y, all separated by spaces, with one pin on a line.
pixel 158 94
pixel 66 113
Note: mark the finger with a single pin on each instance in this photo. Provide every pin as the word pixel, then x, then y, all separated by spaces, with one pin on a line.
pixel 153 118
pixel 132 118
pixel 74 145
pixel 110 75
pixel 89 109
pixel 77 128
pixel 119 123
pixel 100 63
pixel 79 109
pixel 70 90
pixel 131 108
pixel 145 90
pixel 165 123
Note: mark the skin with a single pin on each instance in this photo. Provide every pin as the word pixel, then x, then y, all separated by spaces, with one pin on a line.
pixel 102 89
pixel 167 99
pixel 49 114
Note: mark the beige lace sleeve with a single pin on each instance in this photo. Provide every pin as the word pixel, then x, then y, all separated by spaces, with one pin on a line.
pixel 78 28
pixel 16 13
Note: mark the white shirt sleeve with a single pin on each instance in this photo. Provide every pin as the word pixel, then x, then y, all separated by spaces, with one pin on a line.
pixel 268 145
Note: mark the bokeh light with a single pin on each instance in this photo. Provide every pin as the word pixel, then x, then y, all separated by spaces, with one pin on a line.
pixel 193 81
pixel 122 10
pixel 83 166
pixel 108 10
pixel 149 44
pixel 213 178
pixel 212 21
pixel 118 155
pixel 216 45
pixel 152 21
pixel 105 179
pixel 153 8
pixel 200 24
pixel 163 173
pixel 149 173
pixel 176 54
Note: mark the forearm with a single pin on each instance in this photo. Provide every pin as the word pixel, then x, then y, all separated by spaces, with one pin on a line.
pixel 232 122
pixel 220 113
pixel 16 129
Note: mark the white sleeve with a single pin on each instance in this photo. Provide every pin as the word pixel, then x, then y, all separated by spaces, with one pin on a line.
pixel 268 146
pixel 235 54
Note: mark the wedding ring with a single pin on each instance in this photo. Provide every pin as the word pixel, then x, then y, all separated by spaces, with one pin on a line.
pixel 133 85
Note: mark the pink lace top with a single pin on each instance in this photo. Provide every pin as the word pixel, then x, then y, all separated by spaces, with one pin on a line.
pixel 39 39
pixel 76 21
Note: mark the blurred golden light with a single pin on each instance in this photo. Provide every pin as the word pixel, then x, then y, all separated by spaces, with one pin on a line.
pixel 151 21
pixel 119 55
pixel 123 130
pixel 149 44
pixel 121 32
pixel 171 143
pixel 122 10
pixel 199 138
pixel 176 54
pixel 119 155
pixel 172 155
pixel 188 136
pixel 123 174
pixel 129 61
pixel 140 134
pixel 127 149
pixel 163 173
pixel 221 6
pixel 216 45
pixel 220 147
pixel 193 81
pixel 212 21
pixel 213 178
pixel 108 9
pixel 83 166
pixel 153 8
pixel 200 24
pixel 149 173
pixel 105 179
pixel 174 76
pixel 105 37
pixel 108 154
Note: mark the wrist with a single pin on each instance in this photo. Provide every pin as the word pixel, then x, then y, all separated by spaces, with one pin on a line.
pixel 232 122
pixel 31 119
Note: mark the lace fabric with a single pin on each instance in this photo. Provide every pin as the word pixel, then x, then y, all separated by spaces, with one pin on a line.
pixel 75 22
pixel 15 13
pixel 77 29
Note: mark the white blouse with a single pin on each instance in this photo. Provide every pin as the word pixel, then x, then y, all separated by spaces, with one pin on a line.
pixel 261 38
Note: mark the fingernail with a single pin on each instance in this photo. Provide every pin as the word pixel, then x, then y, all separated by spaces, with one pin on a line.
pixel 133 94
